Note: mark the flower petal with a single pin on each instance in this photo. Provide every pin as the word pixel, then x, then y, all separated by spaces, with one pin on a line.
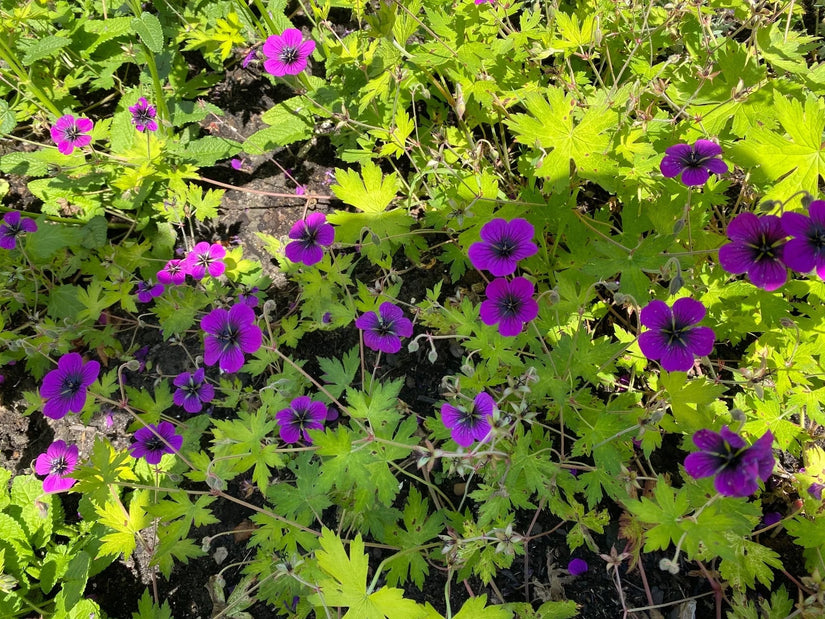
pixel 700 464
pixel 687 311
pixel 656 315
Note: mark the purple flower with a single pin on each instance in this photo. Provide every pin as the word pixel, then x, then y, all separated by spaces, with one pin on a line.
pixel 694 163
pixel 65 387
pixel 472 424
pixel 229 335
pixel 249 58
pixel 806 250
pixel 737 467
pixel 56 464
pixel 757 248
pixel 287 53
pixel 577 567
pixel 303 414
pixel 310 236
pixel 815 490
pixel 249 299
pixel 237 164
pixel 70 133
pixel 205 257
pixel 771 518
pixel 384 331
pixel 153 441
pixel 174 273
pixel 147 291
pixel 510 304
pixel 192 391
pixel 143 116
pixel 672 337
pixel 13 226
pixel 503 243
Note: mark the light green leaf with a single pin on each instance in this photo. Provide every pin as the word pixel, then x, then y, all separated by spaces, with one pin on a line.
pixel 148 28
pixel 370 191
pixel 8 120
pixel 43 48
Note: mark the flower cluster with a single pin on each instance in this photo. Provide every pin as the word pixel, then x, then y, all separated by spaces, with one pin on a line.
pixel 737 467
pixel 303 414
pixel 383 331
pixel 673 337
pixel 13 226
pixel 230 334
pixel 202 259
pixel 65 387
pixel 503 244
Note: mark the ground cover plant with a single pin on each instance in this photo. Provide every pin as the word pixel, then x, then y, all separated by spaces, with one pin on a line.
pixel 469 309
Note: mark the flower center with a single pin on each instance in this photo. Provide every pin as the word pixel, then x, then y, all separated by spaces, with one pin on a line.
pixel 509 305
pixel 384 328
pixel 192 388
pixel 71 133
pixel 310 236
pixel 505 247
pixel 154 444
pixel 205 259
pixel 764 249
pixel 14 229
pixel 817 238
pixel 142 116
pixel 228 336
pixel 288 54
pixel 59 466
pixel 676 333
pixel 693 160
pixel 71 385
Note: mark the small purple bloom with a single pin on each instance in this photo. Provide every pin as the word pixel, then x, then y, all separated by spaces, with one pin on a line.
pixel 470 424
pixel 146 291
pixel 303 414
pixel 326 318
pixel 249 58
pixel 310 236
pixel 577 567
pixel 383 331
pixel 70 133
pixel 174 273
pixel 65 387
pixel 56 464
pixel 806 250
pixel 300 190
pixel 694 163
pixel 771 518
pixel 503 243
pixel 287 53
pixel 249 299
pixel 192 391
pixel 237 164
pixel 737 467
pixel 815 490
pixel 230 334
pixel 672 337
pixel 205 257
pixel 757 248
pixel 14 225
pixel 153 441
pixel 143 116
pixel 510 304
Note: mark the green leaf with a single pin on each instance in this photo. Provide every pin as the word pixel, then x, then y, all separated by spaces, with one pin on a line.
pixel 753 563
pixel 64 302
pixel 340 373
pixel 419 528
pixel 148 28
pixel 208 150
pixel 127 525
pixel 348 584
pixel 476 608
pixel 8 120
pixel 148 610
pixel 665 513
pixel 370 192
pixel 43 48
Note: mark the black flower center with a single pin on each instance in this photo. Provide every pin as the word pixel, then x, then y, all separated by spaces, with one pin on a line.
pixel 816 236
pixel 154 444
pixel 505 247
pixel 59 466
pixel 288 54
pixel 141 116
pixel 14 229
pixel 228 336
pixel 384 327
pixel 310 236
pixel 509 305
pixel 764 249
pixel 676 333
pixel 71 133
pixel 693 160
pixel 192 388
pixel 470 417
pixel 71 385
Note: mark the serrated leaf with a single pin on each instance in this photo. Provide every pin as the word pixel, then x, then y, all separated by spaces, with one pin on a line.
pixel 148 28
pixel 208 150
pixel 8 120
pixel 370 191
pixel 148 610
pixel 476 608
pixel 43 48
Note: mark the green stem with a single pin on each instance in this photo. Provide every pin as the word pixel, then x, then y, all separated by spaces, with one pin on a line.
pixel 163 111
pixel 8 56
pixel 266 17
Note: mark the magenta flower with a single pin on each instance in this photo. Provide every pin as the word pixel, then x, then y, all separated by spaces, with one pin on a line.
pixel 310 236
pixel 146 291
pixel 303 414
pixel 65 387
pixel 229 335
pixel 503 244
pixel 384 331
pixel 70 133
pixel 205 257
pixel 287 53
pixel 577 567
pixel 252 55
pixel 471 423
pixel 249 299
pixel 672 337
pixel 757 248
pixel 806 250
pixel 510 304
pixel 56 464
pixel 192 391
pixel 174 273
pixel 815 490
pixel 153 441
pixel 694 163
pixel 737 467
pixel 13 226
pixel 143 116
